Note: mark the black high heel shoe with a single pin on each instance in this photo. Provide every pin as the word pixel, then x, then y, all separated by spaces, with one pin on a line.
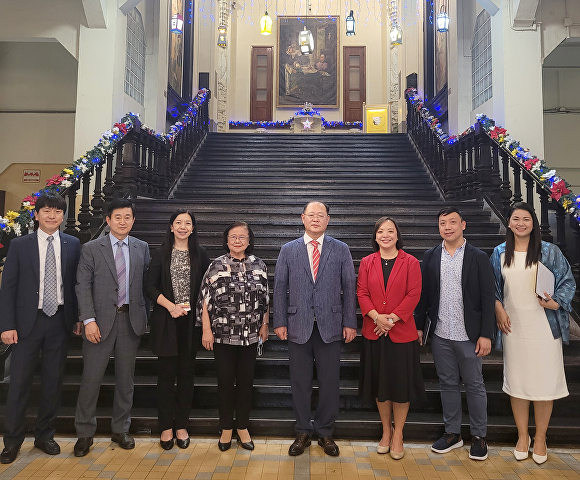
pixel 247 445
pixel 224 446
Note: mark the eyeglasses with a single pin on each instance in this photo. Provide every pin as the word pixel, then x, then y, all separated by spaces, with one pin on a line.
pixel 241 238
pixel 312 216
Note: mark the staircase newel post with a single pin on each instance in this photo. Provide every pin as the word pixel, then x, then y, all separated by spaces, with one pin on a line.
pixel 118 174
pixel 142 161
pixel 71 222
pixel 162 159
pixel 109 188
pixel 451 187
pixel 130 168
pixel 482 170
pixel 470 173
pixel 506 193
pixel 462 181
pixel 495 185
pixel 97 217
pixel 84 218
pixel 544 221
pixel 560 226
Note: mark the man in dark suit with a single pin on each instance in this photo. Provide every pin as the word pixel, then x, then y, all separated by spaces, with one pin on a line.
pixel 113 309
pixel 309 312
pixel 39 312
pixel 457 308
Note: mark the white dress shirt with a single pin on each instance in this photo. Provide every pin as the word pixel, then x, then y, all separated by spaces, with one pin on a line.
pixel 42 246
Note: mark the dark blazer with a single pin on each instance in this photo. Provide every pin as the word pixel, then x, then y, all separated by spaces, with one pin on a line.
pixel 21 279
pixel 400 297
pixel 163 336
pixel 97 286
pixel 298 299
pixel 478 292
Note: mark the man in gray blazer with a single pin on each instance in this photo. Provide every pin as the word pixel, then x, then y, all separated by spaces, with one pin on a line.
pixel 112 307
pixel 310 312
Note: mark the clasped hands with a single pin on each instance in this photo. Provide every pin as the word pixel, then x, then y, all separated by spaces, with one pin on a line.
pixel 384 323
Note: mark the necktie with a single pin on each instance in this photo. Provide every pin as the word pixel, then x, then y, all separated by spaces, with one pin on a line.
pixel 49 299
pixel 315 258
pixel 121 274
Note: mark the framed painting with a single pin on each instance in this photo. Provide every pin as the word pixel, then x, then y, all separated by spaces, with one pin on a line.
pixel 175 67
pixel 308 78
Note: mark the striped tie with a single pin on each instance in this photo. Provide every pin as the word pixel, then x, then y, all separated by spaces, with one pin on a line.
pixel 49 299
pixel 121 274
pixel 315 258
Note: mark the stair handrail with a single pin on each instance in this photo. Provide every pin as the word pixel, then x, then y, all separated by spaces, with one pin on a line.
pixel 475 165
pixel 137 161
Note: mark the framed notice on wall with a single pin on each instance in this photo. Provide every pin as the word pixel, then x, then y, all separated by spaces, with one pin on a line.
pixel 376 119
pixel 31 176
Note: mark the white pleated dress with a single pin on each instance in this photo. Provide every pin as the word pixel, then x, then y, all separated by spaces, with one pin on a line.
pixel 533 362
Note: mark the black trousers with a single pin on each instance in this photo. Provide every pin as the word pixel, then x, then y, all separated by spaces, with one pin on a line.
pixel 49 336
pixel 235 364
pixel 175 404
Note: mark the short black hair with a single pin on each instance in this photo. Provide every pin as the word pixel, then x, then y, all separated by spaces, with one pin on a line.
pixel 316 201
pixel 120 203
pixel 378 224
pixel 448 211
pixel 250 247
pixel 50 200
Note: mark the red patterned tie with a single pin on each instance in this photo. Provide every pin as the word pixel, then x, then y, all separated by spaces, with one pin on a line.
pixel 315 258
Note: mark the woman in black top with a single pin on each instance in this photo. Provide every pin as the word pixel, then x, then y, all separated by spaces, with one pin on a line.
pixel 173 282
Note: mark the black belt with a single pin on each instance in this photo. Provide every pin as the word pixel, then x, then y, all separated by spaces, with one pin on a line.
pixel 123 308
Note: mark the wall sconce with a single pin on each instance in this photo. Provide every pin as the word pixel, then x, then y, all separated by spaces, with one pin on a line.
pixel 443 20
pixel 222 31
pixel 306 41
pixel 266 24
pixel 396 35
pixel 350 24
pixel 177 23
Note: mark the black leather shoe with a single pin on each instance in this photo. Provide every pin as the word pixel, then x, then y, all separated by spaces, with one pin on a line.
pixel 330 448
pixel 182 443
pixel 9 454
pixel 297 448
pixel 223 446
pixel 50 447
pixel 247 445
pixel 83 446
pixel 166 444
pixel 124 440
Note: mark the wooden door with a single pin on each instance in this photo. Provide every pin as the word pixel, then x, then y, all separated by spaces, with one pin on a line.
pixel 354 83
pixel 261 85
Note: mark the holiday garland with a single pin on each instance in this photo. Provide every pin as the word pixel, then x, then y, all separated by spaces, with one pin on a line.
pixel 21 221
pixel 559 188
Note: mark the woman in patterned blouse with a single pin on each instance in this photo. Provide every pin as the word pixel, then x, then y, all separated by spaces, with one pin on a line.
pixel 172 282
pixel 233 309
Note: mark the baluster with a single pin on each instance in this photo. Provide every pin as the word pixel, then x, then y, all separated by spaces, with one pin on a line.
pixel 162 161
pixel 130 168
pixel 529 189
pixel 97 203
pixel 495 175
pixel 506 193
pixel 452 156
pixel 108 188
pixel 482 174
pixel 560 226
pixel 544 221
pixel 118 175
pixel 517 182
pixel 85 210
pixel 71 222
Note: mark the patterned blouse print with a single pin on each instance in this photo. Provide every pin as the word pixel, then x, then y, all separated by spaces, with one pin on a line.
pixel 237 297
pixel 180 276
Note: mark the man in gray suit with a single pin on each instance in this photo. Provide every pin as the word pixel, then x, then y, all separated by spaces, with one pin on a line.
pixel 113 310
pixel 309 312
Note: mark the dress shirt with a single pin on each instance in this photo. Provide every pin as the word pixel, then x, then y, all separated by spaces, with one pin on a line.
pixel 310 249
pixel 125 251
pixel 451 322
pixel 42 246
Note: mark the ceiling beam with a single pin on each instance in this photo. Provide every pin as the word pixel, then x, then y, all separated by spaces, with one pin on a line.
pixel 95 13
pixel 489 6
pixel 129 5
pixel 525 12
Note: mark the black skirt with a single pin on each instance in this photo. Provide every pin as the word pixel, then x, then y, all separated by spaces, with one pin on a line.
pixel 391 371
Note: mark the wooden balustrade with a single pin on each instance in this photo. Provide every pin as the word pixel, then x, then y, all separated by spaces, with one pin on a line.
pixel 476 167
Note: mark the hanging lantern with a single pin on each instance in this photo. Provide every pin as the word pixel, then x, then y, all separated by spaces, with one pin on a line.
pixel 306 41
pixel 350 24
pixel 266 24
pixel 177 23
pixel 396 35
pixel 222 31
pixel 443 20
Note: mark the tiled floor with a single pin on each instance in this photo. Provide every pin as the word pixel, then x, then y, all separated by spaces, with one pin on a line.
pixel 270 461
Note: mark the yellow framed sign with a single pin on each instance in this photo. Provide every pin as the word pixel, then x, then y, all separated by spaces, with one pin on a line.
pixel 376 119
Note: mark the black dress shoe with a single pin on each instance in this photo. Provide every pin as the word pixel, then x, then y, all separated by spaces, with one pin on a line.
pixel 124 440
pixel 83 446
pixel 50 447
pixel 330 448
pixel 166 444
pixel 223 446
pixel 182 443
pixel 297 448
pixel 247 445
pixel 9 454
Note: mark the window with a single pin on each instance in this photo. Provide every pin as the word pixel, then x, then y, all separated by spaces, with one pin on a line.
pixel 481 90
pixel 135 57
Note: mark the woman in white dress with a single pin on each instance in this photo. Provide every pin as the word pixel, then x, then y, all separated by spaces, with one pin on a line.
pixel 531 329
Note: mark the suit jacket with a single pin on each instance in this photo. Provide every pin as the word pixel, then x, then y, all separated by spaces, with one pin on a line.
pixel 21 280
pixel 97 287
pixel 399 297
pixel 478 287
pixel 298 299
pixel 158 282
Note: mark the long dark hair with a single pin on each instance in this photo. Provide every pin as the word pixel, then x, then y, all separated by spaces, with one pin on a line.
pixel 534 246
pixel 193 243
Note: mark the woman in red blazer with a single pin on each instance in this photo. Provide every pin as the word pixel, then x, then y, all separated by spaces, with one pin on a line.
pixel 388 290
